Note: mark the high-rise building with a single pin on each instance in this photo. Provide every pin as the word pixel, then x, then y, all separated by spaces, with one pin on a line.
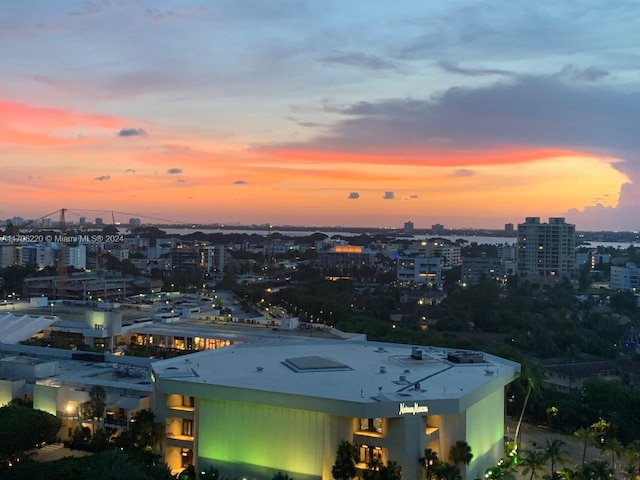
pixel 408 227
pixel 546 251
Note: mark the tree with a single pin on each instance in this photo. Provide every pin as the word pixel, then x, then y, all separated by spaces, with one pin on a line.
pixel 533 462
pixel 460 453
pixel 532 375
pixel 281 476
pixel 586 436
pixel 144 432
pixel 447 471
pixel 22 428
pixel 391 471
pixel 429 462
pixel 115 465
pixel 555 453
pixel 346 457
pixel 598 470
pixel 614 447
pixel 94 408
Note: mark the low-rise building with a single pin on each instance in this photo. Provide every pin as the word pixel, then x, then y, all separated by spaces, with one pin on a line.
pixel 252 411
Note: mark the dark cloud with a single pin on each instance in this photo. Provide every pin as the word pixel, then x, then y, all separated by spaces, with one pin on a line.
pixel 180 180
pixel 529 111
pixel 130 170
pixel 361 60
pixel 102 178
pixel 413 196
pixel 388 196
pixel 473 72
pixel 174 171
pixel 240 182
pixel 354 196
pixel 132 132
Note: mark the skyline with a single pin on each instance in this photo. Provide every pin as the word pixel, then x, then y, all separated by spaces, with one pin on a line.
pixel 291 112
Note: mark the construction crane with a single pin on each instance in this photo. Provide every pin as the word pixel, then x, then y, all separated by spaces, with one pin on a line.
pixel 61 289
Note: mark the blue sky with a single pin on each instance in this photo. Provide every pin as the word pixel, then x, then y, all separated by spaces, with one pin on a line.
pixel 307 112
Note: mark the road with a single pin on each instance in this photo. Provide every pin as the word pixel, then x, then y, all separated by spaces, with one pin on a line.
pixel 534 437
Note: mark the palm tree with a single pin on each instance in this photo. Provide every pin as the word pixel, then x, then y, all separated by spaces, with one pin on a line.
pixel 533 462
pixel 533 374
pixel 555 453
pixel 633 454
pixel 586 436
pixel 115 465
pixel 630 471
pixel 429 462
pixel 599 470
pixel 391 471
pixel 613 446
pixel 94 408
pixel 447 471
pixel 460 453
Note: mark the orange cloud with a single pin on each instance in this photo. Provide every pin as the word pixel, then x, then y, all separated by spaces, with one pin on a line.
pixel 433 156
pixel 38 117
pixel 28 126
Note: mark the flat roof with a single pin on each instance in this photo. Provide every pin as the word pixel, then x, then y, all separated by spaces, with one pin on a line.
pixel 355 371
pixel 235 332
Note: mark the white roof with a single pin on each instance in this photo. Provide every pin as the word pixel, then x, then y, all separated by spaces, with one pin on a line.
pixel 16 328
pixel 340 370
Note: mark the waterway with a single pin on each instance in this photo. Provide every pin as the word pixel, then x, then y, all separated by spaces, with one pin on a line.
pixel 479 239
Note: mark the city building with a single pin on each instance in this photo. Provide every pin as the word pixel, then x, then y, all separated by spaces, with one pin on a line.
pixel 475 268
pixel 450 254
pixel 625 279
pixel 546 251
pixel 345 258
pixel 408 227
pixel 251 411
pixel 423 270
pixel 80 286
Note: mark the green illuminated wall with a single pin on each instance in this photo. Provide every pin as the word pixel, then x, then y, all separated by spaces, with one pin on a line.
pixel 45 398
pixel 261 437
pixel 485 432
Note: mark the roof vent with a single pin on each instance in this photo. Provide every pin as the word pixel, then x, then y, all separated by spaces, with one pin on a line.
pixel 406 370
pixel 403 378
pixel 416 353
pixel 383 369
pixel 259 369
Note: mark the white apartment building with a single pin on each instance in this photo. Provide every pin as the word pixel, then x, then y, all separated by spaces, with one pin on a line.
pixel 546 251
pixel 626 279
pixel 422 270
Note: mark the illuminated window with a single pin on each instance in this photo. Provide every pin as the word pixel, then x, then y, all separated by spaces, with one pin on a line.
pixel 187 427
pixel 187 457
pixel 371 425
pixel 370 455
pixel 188 401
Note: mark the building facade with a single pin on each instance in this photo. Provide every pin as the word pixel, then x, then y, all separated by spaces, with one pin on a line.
pixel 626 279
pixel 252 411
pixel 546 251
pixel 427 271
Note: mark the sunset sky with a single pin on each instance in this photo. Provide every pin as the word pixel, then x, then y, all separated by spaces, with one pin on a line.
pixel 323 112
